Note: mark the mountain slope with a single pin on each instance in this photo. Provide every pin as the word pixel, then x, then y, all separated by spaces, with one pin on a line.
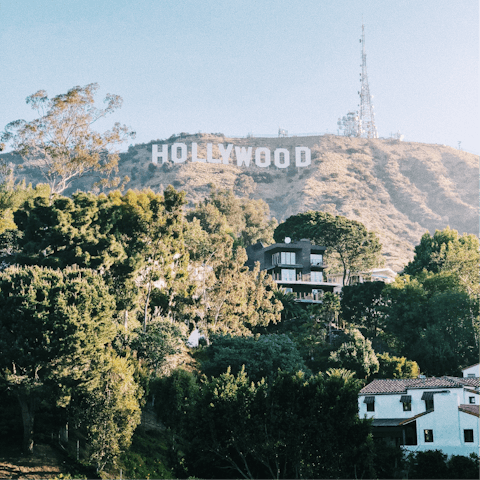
pixel 398 189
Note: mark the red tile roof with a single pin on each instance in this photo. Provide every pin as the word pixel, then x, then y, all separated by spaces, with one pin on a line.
pixel 386 386
pixel 471 409
pixel 470 381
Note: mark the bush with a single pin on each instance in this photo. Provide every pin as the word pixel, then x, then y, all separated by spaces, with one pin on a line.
pixel 146 458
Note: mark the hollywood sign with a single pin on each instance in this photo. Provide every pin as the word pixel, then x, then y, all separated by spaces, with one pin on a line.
pixel 178 153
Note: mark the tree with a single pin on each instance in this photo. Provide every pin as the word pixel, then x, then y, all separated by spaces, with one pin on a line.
pixel 396 367
pixel 53 326
pixel 61 143
pixel 292 426
pixel 363 305
pixel 161 340
pixel 247 221
pixel 260 358
pixel 348 241
pixel 135 240
pixel 106 407
pixel 445 251
pixel 356 355
pixel 431 319
pixel 13 196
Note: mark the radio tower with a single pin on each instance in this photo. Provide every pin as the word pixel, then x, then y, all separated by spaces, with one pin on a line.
pixel 366 117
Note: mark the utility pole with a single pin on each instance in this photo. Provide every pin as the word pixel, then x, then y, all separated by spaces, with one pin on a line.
pixel 366 118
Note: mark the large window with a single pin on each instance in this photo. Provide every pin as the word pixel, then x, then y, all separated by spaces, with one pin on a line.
pixel 317 276
pixel 288 275
pixel 428 436
pixel 288 258
pixel 316 259
pixel 284 258
pixel 468 435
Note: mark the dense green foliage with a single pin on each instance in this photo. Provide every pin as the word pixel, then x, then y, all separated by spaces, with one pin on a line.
pixel 435 464
pixel 290 427
pixel 419 322
pixel 104 291
pixel 396 367
pixel 356 355
pixel 362 305
pixel 261 358
pixel 55 329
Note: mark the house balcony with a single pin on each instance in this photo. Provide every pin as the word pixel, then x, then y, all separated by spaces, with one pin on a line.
pixel 318 263
pixel 308 297
pixel 299 278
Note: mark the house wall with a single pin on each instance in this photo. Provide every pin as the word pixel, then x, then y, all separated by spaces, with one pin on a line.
pixel 473 370
pixel 448 424
pixel 389 405
pixel 446 420
pixel 469 393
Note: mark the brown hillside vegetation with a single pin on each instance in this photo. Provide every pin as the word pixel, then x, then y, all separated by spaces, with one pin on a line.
pixel 397 189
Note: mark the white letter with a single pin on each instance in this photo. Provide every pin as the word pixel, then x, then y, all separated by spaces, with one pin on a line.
pixel 156 155
pixel 258 157
pixel 175 148
pixel 298 156
pixel 225 153
pixel 209 155
pixel 286 157
pixel 194 154
pixel 243 155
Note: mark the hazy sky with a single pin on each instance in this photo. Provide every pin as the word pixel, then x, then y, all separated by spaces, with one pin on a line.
pixel 251 66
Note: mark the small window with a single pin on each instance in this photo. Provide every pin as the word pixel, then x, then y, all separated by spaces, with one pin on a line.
pixel 468 435
pixel 428 436
pixel 407 406
pixel 471 399
pixel 370 402
pixel 471 375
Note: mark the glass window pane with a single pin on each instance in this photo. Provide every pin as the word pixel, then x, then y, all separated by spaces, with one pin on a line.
pixel 288 275
pixel 317 276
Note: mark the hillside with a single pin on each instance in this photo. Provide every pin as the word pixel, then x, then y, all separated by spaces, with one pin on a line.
pixel 398 189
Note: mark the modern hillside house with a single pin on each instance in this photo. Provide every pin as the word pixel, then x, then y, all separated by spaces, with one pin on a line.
pixel 425 413
pixel 296 267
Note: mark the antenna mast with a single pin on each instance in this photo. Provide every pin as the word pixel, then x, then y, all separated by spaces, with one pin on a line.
pixel 366 117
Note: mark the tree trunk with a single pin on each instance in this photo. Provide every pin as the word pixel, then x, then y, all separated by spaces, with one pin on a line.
pixel 28 414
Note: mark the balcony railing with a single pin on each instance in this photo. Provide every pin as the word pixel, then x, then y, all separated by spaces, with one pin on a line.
pixel 308 297
pixel 300 277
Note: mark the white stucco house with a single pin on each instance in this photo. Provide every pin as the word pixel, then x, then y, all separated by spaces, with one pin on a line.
pixel 425 413
pixel 471 371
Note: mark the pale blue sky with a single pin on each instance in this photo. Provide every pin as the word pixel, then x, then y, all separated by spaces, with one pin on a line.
pixel 251 66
